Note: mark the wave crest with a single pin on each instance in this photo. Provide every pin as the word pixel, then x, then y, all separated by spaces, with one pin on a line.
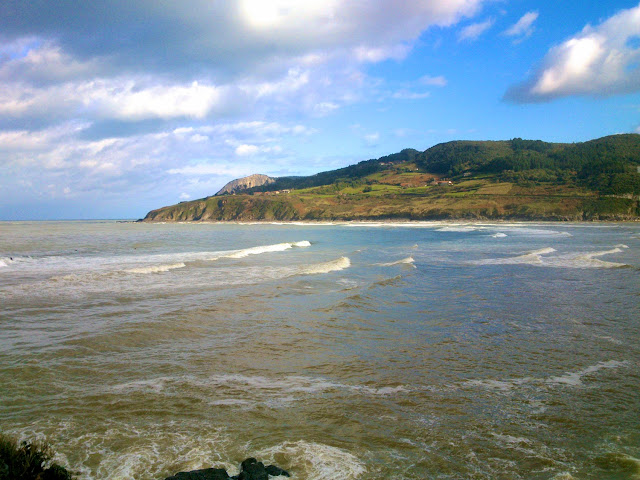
pixel 278 247
pixel 404 261
pixel 567 260
pixel 321 461
pixel 327 267
pixel 155 268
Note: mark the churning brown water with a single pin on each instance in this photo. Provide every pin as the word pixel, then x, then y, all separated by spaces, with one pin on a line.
pixel 429 351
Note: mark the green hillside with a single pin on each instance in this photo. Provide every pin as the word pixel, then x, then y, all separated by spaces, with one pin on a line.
pixel 513 179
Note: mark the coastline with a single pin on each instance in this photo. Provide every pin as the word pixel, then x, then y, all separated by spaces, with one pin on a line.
pixel 395 222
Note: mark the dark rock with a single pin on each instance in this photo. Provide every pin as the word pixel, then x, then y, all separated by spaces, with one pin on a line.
pixel 56 472
pixel 246 463
pixel 206 474
pixel 275 471
pixel 250 469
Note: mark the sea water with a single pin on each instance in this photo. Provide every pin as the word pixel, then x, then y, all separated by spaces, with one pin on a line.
pixel 335 351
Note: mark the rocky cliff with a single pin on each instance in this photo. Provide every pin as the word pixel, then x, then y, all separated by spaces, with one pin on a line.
pixel 236 186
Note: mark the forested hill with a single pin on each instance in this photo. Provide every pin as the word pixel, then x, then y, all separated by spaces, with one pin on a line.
pixel 527 179
pixel 359 170
pixel 607 164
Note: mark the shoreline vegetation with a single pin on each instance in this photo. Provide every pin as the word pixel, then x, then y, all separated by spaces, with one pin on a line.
pixel 29 460
pixel 513 180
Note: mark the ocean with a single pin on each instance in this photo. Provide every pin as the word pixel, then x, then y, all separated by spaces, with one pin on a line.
pixel 335 351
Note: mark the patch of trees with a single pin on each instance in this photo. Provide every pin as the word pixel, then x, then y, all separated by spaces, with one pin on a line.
pixel 607 165
pixel 346 174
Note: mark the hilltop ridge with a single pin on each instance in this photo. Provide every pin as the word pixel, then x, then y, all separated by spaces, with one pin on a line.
pixel 509 179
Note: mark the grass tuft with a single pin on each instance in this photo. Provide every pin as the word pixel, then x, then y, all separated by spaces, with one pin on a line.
pixel 28 461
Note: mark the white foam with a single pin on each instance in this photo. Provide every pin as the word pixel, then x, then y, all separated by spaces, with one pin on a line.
pixel 503 385
pixel 529 258
pixel 499 235
pixel 589 260
pixel 457 228
pixel 348 283
pixel 542 251
pixel 567 260
pixel 320 461
pixel 278 247
pixel 404 261
pixel 155 268
pixel 575 378
pixel 383 391
pixel 539 232
pixel 123 451
pixel 292 384
pixel 7 261
pixel 563 476
pixel 510 439
pixel 327 267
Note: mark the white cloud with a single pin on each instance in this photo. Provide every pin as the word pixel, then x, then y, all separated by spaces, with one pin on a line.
pixel 378 54
pixel 524 26
pixel 209 169
pixel 473 31
pixel 597 61
pixel 371 139
pixel 124 99
pixel 184 196
pixel 439 81
pixel 408 95
pixel 37 140
pixel 244 150
pixel 126 102
pixel 324 108
pixel 33 60
pixel 104 113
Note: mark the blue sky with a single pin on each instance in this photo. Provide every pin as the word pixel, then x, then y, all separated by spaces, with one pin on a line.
pixel 109 110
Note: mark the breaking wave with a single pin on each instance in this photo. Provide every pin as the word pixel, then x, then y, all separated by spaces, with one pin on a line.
pixel 457 228
pixel 278 247
pixel 321 461
pixel 124 451
pixel 5 261
pixel 263 386
pixel 156 268
pixel 327 267
pixel 572 379
pixel 404 261
pixel 575 378
pixel 529 258
pixel 568 260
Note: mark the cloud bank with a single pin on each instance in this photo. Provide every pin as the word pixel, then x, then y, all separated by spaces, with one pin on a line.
pixel 598 61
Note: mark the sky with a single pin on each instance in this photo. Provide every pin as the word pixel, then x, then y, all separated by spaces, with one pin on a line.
pixel 110 109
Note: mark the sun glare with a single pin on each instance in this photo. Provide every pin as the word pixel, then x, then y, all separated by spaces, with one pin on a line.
pixel 270 13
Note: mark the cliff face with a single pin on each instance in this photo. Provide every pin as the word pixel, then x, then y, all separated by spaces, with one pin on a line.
pixel 244 183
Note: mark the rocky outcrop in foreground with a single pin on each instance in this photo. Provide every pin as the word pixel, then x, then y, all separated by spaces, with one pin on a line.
pixel 250 469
